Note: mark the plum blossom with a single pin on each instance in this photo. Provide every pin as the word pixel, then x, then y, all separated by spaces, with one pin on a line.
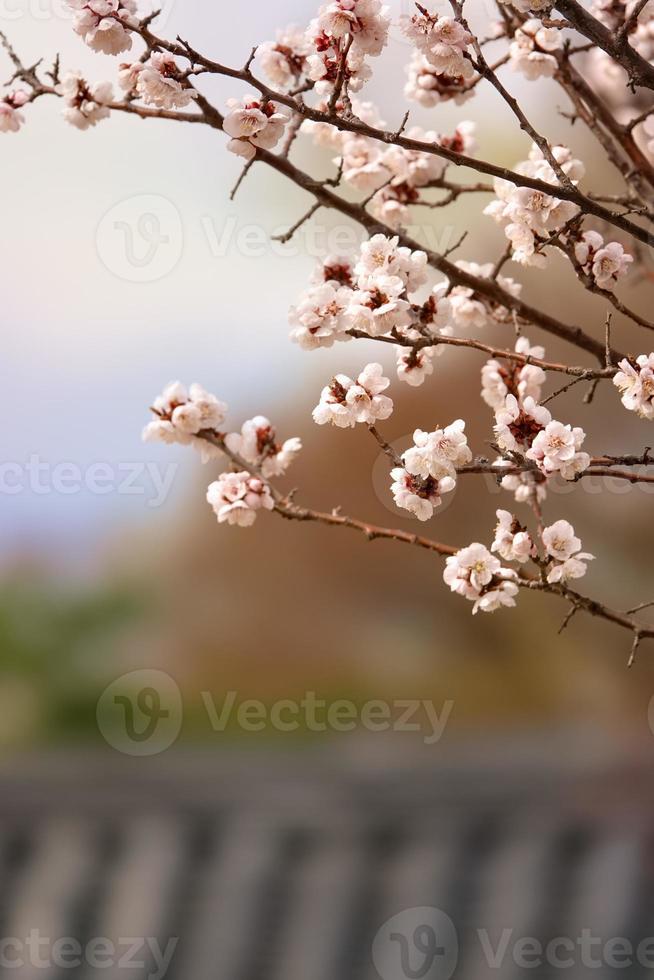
pixel 556 449
pixel 418 495
pixel 236 498
pixel 104 24
pixel 181 414
pixel 284 61
pixel 512 541
pixel 415 366
pixel 604 263
pixel 442 40
pixel 531 50
pixel 429 87
pixel 560 540
pixel 84 104
pixel 335 269
pixel 522 380
pixel 529 216
pixel 470 309
pixel 439 453
pixel 526 487
pixel 345 402
pixel 523 426
pixel 380 307
pixel 477 575
pixel 564 547
pixel 10 119
pixel 254 124
pixel 324 65
pixel 356 152
pixel 500 597
pixel 363 163
pixel 369 293
pixel 414 169
pixel 365 21
pixel 635 380
pixel 518 423
pixel 319 319
pixel 157 81
pixel 382 255
pixel 257 444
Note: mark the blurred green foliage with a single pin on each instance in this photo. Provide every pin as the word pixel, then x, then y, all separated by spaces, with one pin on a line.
pixel 54 644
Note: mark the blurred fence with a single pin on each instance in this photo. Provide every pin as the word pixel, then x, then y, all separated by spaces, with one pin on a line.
pixel 250 867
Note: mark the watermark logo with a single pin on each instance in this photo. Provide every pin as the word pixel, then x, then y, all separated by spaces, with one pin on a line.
pixel 141 239
pixel 141 713
pixel 416 944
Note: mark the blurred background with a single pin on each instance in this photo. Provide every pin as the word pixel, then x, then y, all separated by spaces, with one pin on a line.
pixel 116 582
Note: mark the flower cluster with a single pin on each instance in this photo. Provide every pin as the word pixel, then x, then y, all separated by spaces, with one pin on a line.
pixel 443 41
pixel 407 171
pixel 193 417
pixel 383 292
pixel 345 402
pixel 257 444
pixel 522 426
pixel 158 81
pixel 364 22
pixel 10 118
pixel 370 294
pixel 284 61
pixel 84 104
pixel 530 217
pixel 604 263
pixel 522 380
pixel 428 86
pixel 478 576
pixel 103 24
pixel 430 469
pixel 635 379
pixel 415 363
pixel 469 308
pixel 567 561
pixel 340 38
pixel 531 51
pixel 181 414
pixel 253 123
pixel 512 541
pixel 526 428
pixel 395 173
pixel 236 498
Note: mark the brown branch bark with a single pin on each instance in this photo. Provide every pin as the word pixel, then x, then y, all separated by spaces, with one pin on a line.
pixel 640 71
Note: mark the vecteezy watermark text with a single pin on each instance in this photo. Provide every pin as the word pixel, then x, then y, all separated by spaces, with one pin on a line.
pixel 40 952
pixel 141 714
pixel 43 478
pixel 313 714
